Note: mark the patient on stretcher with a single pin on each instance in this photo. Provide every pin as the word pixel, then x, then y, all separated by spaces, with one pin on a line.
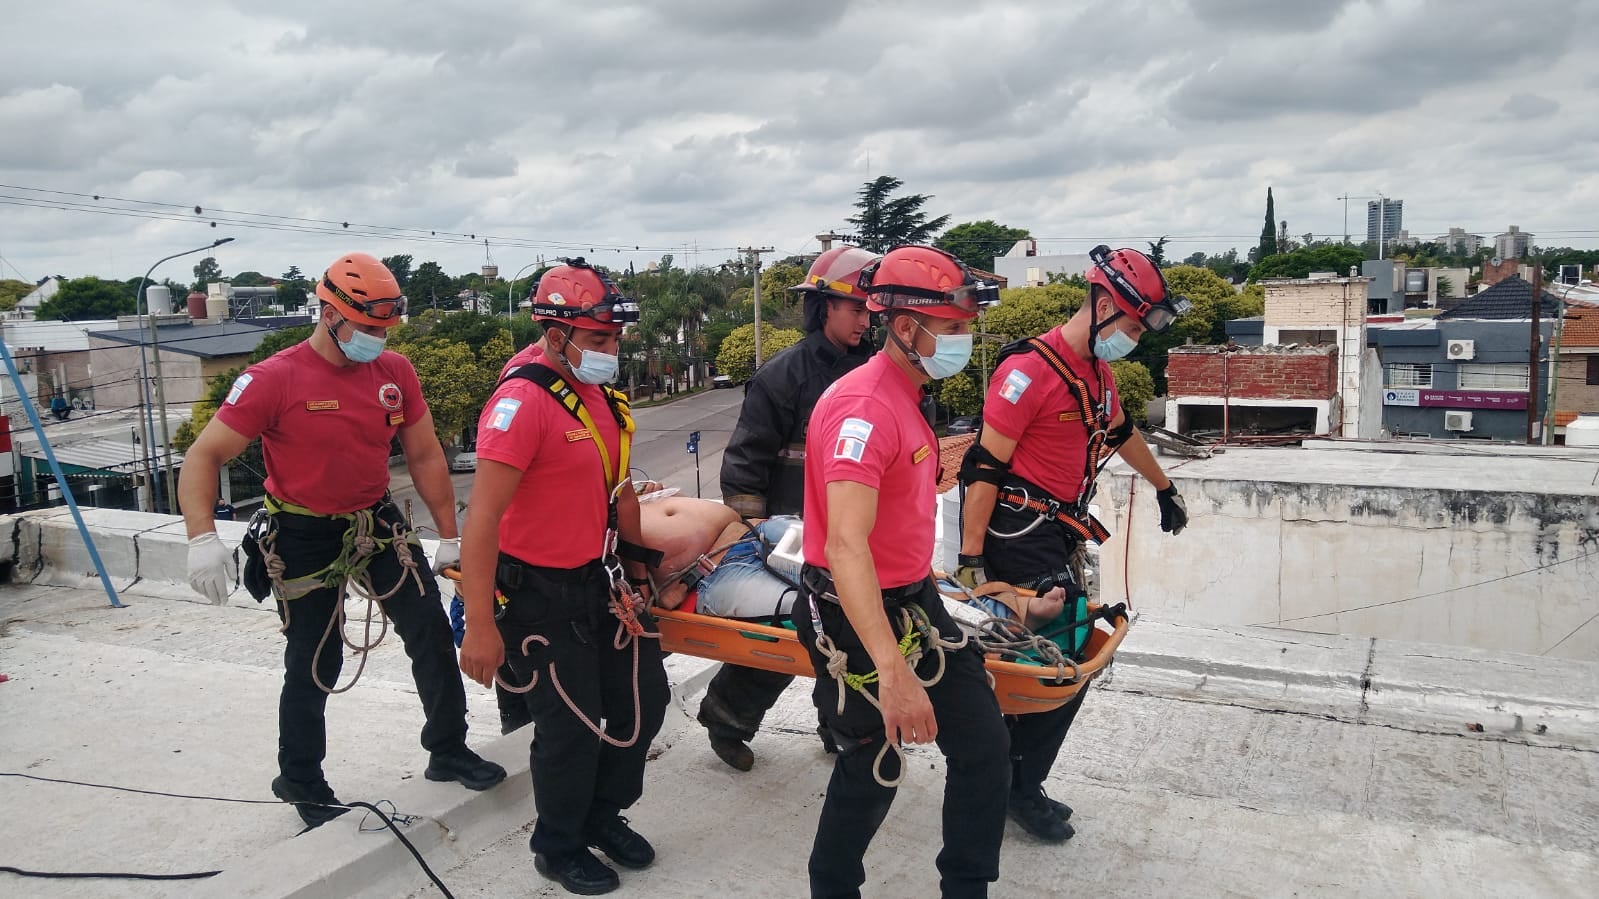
pixel 710 552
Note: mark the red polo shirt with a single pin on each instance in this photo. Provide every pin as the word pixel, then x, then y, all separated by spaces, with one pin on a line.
pixel 868 428
pixel 1030 403
pixel 557 516
pixel 325 429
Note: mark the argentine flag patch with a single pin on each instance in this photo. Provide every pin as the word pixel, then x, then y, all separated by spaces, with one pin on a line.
pixel 853 435
pixel 504 413
pixel 239 385
pixel 1015 385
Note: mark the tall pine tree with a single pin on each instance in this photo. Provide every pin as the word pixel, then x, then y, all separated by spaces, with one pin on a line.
pixel 1268 233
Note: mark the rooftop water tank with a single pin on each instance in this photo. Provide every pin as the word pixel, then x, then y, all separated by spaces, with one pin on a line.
pixel 1584 431
pixel 158 299
pixel 216 308
pixel 197 305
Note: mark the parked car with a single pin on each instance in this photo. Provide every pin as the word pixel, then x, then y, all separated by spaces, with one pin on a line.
pixel 464 462
pixel 720 381
pixel 965 424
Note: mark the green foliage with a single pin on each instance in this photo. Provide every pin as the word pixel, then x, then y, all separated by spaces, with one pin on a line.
pixel 430 287
pixel 87 298
pixel 1071 280
pixel 1030 311
pixel 885 221
pixel 1446 288
pixel 1300 263
pixel 294 274
pixel 960 394
pixel 454 382
pixel 400 267
pixel 737 356
pixel 1157 253
pixel 292 295
pixel 12 290
pixel 1136 386
pixel 977 243
pixel 249 279
pixel 1268 233
pixel 206 271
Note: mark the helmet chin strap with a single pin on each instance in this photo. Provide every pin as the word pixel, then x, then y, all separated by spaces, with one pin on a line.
pixel 911 355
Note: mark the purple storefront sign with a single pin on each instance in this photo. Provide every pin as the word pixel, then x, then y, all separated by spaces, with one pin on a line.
pixel 1473 399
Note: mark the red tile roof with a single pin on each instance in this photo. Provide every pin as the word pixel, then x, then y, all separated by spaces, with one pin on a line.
pixel 950 451
pixel 1581 328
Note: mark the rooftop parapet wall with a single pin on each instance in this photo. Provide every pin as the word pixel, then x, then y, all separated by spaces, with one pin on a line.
pixel 1463 554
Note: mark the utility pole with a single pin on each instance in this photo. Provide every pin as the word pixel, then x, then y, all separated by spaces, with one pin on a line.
pixel 1532 364
pixel 755 261
pixel 1549 408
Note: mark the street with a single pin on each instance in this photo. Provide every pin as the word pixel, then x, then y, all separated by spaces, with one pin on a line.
pixel 659 450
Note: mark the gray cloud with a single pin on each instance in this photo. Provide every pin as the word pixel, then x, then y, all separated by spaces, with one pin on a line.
pixel 692 123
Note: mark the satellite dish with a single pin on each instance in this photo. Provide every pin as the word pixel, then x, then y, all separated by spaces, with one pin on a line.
pixel 1495 261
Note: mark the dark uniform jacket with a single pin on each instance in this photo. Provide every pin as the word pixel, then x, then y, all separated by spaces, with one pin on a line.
pixel 763 467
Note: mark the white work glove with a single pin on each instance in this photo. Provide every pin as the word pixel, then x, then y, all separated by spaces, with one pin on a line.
pixel 212 570
pixel 449 554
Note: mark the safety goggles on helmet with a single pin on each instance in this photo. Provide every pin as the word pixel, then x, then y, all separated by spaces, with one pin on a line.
pixel 612 309
pixel 390 309
pixel 1155 317
pixel 971 297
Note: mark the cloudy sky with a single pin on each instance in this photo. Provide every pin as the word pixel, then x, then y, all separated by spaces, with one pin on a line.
pixel 696 126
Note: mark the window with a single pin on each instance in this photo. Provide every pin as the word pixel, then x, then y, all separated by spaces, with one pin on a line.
pixel 1593 371
pixel 1486 376
pixel 1409 374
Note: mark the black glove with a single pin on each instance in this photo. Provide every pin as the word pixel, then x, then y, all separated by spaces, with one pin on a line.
pixel 971 571
pixel 1173 512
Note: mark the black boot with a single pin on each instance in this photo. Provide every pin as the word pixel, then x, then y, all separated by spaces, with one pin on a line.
pixel 464 766
pixel 1038 817
pixel 621 843
pixel 579 873
pixel 718 720
pixel 314 801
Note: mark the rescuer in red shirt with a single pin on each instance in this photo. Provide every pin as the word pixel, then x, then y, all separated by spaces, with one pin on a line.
pixel 326 410
pixel 550 496
pixel 871 473
pixel 1051 420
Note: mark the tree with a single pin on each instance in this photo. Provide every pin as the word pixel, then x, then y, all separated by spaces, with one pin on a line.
pixel 737 356
pixel 1268 233
pixel 960 394
pixel 1030 311
pixel 1446 288
pixel 249 279
pixel 206 271
pixel 1157 253
pixel 886 221
pixel 1136 387
pixel 1300 263
pixel 430 287
pixel 455 383
pixel 977 243
pixel 12 290
pixel 400 267
pixel 88 298
pixel 291 295
pixel 294 274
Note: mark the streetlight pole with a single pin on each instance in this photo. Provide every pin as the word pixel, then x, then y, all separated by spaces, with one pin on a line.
pixel 155 343
pixel 510 291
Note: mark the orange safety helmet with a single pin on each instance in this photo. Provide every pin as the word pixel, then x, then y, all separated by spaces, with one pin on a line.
pixel 1137 287
pixel 929 281
pixel 835 275
pixel 576 294
pixel 363 290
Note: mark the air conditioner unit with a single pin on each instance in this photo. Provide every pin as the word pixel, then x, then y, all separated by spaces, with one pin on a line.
pixel 1461 349
pixel 1457 421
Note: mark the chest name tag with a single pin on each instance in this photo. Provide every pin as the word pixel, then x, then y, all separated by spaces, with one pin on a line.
pixel 396 419
pixel 1071 416
pixel 920 454
pixel 321 405
pixel 578 434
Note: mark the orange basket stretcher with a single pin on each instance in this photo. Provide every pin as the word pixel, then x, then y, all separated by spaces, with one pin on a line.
pixel 1021 688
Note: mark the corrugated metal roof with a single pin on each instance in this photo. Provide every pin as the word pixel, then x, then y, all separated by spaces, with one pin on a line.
pixel 102 455
pixel 206 341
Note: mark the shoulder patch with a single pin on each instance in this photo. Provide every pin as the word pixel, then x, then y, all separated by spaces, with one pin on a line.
pixel 853 436
pixel 1016 383
pixel 239 385
pixel 504 413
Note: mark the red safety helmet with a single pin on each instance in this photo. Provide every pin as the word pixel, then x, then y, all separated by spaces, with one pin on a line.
pixel 577 294
pixel 1136 286
pixel 837 273
pixel 363 290
pixel 926 280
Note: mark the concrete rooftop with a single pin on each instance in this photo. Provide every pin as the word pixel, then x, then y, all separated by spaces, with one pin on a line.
pixel 1240 762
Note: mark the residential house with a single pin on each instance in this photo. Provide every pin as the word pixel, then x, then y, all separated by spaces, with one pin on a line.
pixel 1576 378
pixel 1463 373
pixel 192 353
pixel 57 354
pixel 1023 267
pixel 28 306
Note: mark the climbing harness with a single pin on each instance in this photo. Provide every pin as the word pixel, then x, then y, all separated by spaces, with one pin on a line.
pixel 362 542
pixel 919 637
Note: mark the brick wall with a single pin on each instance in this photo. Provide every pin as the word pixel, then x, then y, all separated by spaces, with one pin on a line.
pixel 1315 304
pixel 1299 375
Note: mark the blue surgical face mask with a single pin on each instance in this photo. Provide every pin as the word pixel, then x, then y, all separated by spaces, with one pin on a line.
pixel 592 367
pixel 951 352
pixel 361 347
pixel 1114 347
